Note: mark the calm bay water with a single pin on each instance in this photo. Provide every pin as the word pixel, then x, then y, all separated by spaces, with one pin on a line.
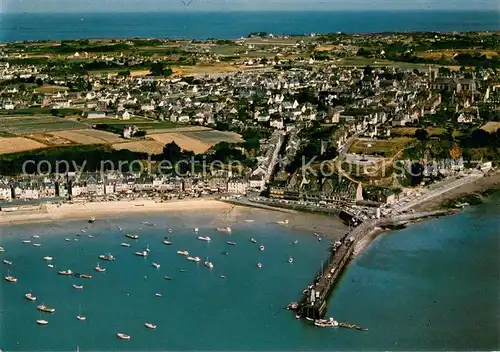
pixel 202 25
pixel 433 286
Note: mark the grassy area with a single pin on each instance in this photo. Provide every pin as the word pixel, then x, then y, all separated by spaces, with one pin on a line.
pixel 386 148
pixel 433 131
pixel 40 124
pixel 51 89
pixel 27 111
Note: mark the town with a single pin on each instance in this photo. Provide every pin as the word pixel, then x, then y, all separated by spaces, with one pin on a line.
pixel 317 122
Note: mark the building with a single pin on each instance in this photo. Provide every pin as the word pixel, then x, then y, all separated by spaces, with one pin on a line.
pixel 237 186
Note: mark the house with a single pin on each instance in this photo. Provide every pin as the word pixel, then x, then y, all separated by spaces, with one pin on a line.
pixel 257 182
pixel 123 115
pixel 5 192
pixel 237 186
pixel 95 114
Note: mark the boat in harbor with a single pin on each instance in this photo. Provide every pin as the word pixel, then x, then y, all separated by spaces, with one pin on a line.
pixel 167 242
pixel 81 317
pixel 50 265
pixel 67 239
pixel 261 248
pixel 37 244
pixel 196 230
pixel 224 229
pixel 1 249
pixel 206 239
pixel 91 220
pixel 36 236
pixel 48 258
pixel 259 265
pixel 290 260
pixel 65 272
pixel 124 244
pixel 99 269
pixel 123 336
pixel 253 240
pixel 142 254
pixel 131 236
pixel 248 220
pixel 43 308
pixel 184 253
pixel 85 276
pixel 326 323
pixel 223 277
pixel 282 222
pixel 194 259
pixel 30 297
pixel 157 266
pixel 292 306
pixel 209 264
pixel 150 326
pixel 168 278
pixel 42 322
pixel 107 257
pixel 78 287
pixel 231 243
pixel 26 241
pixel 295 242
pixel 169 231
pixel 158 294
pixel 8 262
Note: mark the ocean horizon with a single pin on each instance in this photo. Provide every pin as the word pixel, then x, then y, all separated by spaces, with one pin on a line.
pixel 234 24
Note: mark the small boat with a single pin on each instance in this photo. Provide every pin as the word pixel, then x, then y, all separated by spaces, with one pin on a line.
pixel 90 236
pixel 184 253
pixel 282 222
pixel 166 242
pixel 224 229
pixel 142 254
pixel 207 239
pixel 65 272
pixel 183 270
pixel 326 323
pixel 67 239
pixel 48 258
pixel 158 294
pixel 37 244
pixel 150 326
pixel 43 308
pixel 292 306
pixel 78 287
pixel 196 230
pixel 168 278
pixel 169 230
pixel 107 257
pixel 261 248
pixel 297 316
pixel 134 237
pixel 1 249
pixel 209 264
pixel 157 266
pixel 295 242
pixel 85 276
pixel 194 259
pixel 124 244
pixel 81 317
pixel 42 322
pixel 36 236
pixel 8 262
pixel 248 220
pixel 231 243
pixel 147 249
pixel 10 278
pixel 123 336
pixel 253 240
pixel 99 269
pixel 91 220
pixel 290 260
pixel 26 241
pixel 50 265
pixel 223 277
pixel 83 230
pixel 259 265
pixel 30 297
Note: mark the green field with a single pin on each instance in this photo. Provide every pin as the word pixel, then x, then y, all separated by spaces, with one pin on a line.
pixel 40 124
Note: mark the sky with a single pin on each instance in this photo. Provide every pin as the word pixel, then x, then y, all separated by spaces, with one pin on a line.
pixel 48 6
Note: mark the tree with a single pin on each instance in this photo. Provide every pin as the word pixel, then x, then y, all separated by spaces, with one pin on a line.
pixel 159 69
pixel 172 152
pixel 124 73
pixel 421 134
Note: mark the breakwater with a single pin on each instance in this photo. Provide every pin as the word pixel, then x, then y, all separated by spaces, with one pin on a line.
pixel 313 304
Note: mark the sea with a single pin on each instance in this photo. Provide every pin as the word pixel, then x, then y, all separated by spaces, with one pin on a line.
pixel 431 286
pixel 229 25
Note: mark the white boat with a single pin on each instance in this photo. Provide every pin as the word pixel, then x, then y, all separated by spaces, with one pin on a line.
pixel 184 253
pixel 78 287
pixel 67 239
pixel 107 257
pixel 295 242
pixel 147 249
pixel 65 272
pixel 326 323
pixel 142 254
pixel 36 236
pixel 253 240
pixel 167 243
pixel 48 258
pixel 134 237
pixel 168 278
pixel 209 264
pixel 231 243
pixel 194 259
pixel 1 249
pixel 223 277
pixel 91 220
pixel 196 230
pixel 150 326
pixel 261 247
pixel 282 222
pixel 10 278
pixel 50 265
pixel 30 297
pixel 42 322
pixel 158 294
pixel 26 241
pixel 169 230
pixel 259 265
pixel 90 236
pixel 157 266
pixel 224 229
pixel 81 317
pixel 99 269
pixel 207 239
pixel 123 336
pixel 249 220
pixel 8 262
pixel 37 244
pixel 290 260
pixel 43 308
pixel 123 244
